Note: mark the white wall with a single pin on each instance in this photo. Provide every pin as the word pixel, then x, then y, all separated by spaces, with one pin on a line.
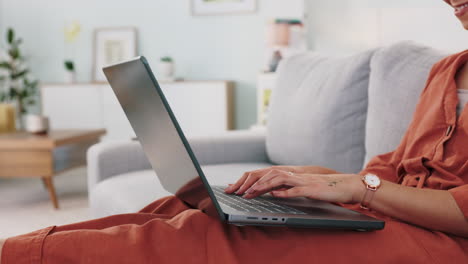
pixel 346 26
pixel 207 47
pixel 2 24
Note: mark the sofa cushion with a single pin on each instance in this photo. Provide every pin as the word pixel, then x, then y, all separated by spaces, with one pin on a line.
pixel 398 76
pixel 130 192
pixel 318 111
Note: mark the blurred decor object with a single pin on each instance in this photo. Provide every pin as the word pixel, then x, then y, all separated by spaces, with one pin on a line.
pixel 285 37
pixel 16 85
pixel 7 118
pixel 266 82
pixel 70 74
pixel 217 7
pixel 166 69
pixel 112 45
pixel 280 33
pixel 275 60
pixel 284 31
pixel 71 33
pixel 36 124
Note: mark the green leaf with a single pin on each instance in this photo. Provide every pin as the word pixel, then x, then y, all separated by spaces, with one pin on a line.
pixel 13 93
pixel 4 64
pixel 23 94
pixel 31 90
pixel 14 53
pixel 34 83
pixel 31 102
pixel 10 35
pixel 166 59
pixel 19 74
pixel 3 97
pixel 31 86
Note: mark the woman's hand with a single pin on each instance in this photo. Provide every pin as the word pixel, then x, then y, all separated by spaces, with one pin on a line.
pixel 250 177
pixel 342 188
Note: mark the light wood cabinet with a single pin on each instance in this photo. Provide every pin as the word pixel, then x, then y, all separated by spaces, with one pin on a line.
pixel 201 107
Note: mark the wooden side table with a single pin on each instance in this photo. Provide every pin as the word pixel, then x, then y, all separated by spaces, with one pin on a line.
pixel 28 155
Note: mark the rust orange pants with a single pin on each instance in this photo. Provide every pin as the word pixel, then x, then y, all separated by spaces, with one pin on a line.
pixel 167 231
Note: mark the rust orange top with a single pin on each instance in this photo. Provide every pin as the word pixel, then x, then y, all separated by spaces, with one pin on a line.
pixel 434 151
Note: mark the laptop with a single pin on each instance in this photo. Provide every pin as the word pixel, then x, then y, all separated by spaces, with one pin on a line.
pixel 179 172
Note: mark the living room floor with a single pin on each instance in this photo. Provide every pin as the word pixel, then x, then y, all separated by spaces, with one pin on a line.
pixel 25 204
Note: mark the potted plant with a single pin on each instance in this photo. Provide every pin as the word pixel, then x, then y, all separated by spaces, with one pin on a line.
pixel 166 69
pixel 70 76
pixel 16 85
pixel 71 32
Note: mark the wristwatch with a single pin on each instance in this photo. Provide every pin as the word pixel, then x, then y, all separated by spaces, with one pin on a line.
pixel 372 183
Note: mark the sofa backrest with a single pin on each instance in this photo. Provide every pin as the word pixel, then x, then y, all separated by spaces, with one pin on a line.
pixel 340 112
pixel 398 76
pixel 318 112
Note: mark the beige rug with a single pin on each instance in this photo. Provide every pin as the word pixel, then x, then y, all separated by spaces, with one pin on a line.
pixel 25 204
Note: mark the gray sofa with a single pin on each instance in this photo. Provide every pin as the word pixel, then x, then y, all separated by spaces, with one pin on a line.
pixel 336 112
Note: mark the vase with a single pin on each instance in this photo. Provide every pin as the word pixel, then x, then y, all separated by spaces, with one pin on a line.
pixel 20 111
pixel 70 77
pixel 165 71
pixel 7 118
pixel 36 124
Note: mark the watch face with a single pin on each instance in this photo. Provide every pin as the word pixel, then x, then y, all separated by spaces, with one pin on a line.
pixel 372 180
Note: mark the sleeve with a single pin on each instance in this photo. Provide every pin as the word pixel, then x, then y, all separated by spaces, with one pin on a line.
pixel 25 248
pixel 386 165
pixel 382 166
pixel 460 194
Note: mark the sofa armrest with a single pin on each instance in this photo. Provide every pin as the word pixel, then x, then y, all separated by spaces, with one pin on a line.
pixel 108 159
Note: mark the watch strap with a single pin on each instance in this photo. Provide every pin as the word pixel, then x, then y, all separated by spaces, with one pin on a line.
pixel 366 199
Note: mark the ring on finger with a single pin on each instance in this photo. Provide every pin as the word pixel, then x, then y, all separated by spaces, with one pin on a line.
pixel 290 173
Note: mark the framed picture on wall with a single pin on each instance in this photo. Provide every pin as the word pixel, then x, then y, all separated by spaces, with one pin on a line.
pixel 112 45
pixel 219 7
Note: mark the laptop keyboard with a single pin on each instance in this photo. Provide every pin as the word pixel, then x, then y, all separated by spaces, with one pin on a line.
pixel 255 205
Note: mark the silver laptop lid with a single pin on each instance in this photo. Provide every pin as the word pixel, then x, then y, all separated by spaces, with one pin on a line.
pixel 160 135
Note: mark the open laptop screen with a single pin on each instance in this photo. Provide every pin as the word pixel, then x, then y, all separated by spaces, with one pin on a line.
pixel 160 135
